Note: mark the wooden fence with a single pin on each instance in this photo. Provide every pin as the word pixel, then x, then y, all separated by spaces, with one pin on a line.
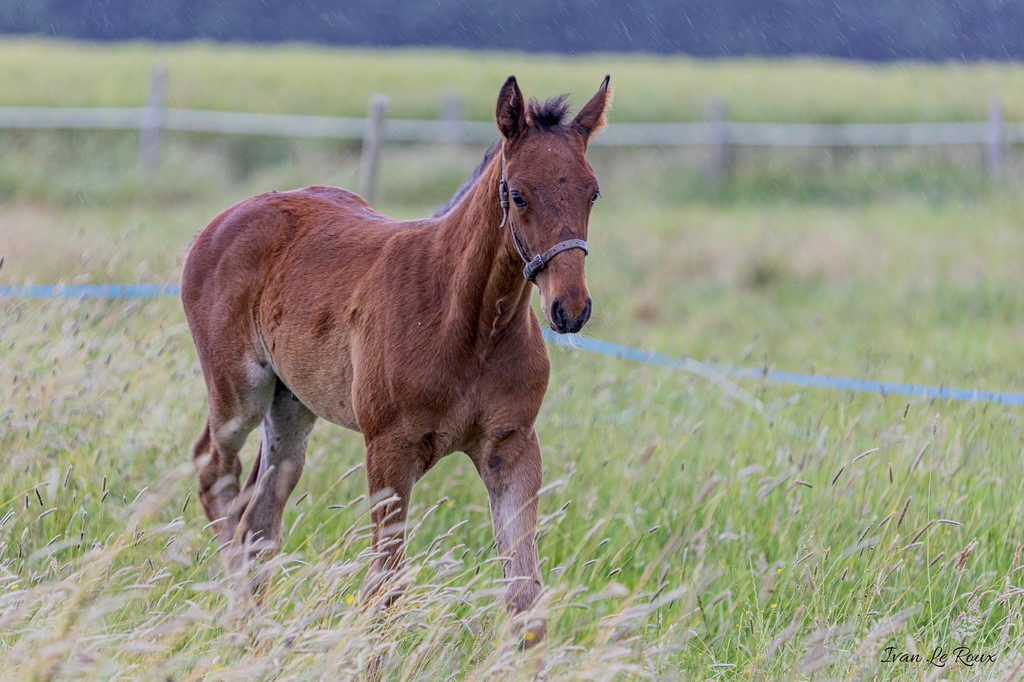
pixel 716 133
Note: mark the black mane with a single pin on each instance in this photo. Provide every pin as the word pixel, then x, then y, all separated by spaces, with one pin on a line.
pixel 461 191
pixel 550 113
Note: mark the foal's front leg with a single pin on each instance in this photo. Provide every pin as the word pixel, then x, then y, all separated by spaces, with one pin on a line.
pixel 510 466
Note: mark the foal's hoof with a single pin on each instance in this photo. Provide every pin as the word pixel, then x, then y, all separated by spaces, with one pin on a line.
pixel 535 633
pixel 247 563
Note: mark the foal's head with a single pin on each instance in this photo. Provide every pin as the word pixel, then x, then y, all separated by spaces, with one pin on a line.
pixel 550 190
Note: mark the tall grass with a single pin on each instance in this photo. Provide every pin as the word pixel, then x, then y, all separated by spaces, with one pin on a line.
pixel 683 534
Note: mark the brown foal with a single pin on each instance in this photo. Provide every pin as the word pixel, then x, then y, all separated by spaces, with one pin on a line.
pixel 419 334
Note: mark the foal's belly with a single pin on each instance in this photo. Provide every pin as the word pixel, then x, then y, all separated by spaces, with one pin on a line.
pixel 328 394
pixel 317 368
pixel 340 413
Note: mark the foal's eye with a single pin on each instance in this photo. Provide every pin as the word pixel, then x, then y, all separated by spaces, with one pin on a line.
pixel 518 199
pixel 593 199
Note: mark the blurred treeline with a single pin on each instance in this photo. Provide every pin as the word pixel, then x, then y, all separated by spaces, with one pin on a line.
pixel 862 29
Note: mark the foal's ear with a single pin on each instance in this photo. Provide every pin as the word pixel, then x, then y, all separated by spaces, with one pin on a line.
pixel 510 112
pixel 591 118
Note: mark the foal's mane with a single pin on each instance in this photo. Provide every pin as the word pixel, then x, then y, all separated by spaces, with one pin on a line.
pixel 461 191
pixel 546 115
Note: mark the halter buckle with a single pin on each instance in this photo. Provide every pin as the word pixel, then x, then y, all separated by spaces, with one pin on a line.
pixel 503 197
pixel 533 267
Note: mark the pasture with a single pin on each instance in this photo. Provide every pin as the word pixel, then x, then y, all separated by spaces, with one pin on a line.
pixel 683 534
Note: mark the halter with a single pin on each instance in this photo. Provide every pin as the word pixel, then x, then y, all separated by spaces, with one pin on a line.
pixel 540 261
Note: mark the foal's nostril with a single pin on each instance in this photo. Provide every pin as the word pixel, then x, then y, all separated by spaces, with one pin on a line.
pixel 575 325
pixel 559 318
pixel 584 316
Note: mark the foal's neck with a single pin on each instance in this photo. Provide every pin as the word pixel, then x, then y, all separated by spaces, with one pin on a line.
pixel 488 292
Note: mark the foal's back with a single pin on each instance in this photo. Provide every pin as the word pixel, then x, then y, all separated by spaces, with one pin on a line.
pixel 248 239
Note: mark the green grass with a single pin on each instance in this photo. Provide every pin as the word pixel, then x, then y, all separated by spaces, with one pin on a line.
pixel 684 534
pixel 308 80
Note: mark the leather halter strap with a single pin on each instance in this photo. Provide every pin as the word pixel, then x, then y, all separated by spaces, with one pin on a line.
pixel 540 261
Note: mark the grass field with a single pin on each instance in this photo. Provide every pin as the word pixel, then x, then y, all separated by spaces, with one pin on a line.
pixel 684 534
pixel 306 80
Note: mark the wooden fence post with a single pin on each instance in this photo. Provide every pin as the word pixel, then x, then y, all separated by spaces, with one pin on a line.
pixel 451 114
pixel 152 120
pixel 718 153
pixel 372 135
pixel 996 138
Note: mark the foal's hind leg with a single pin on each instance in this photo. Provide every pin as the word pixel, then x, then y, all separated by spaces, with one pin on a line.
pixel 238 400
pixel 286 429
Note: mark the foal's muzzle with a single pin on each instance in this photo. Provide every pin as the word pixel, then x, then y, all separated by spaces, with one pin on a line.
pixel 565 323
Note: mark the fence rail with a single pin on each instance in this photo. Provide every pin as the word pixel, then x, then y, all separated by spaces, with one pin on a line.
pixel 483 132
pixel 716 134
pixel 717 374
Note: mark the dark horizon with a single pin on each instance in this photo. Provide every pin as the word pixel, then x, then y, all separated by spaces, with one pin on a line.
pixel 875 31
